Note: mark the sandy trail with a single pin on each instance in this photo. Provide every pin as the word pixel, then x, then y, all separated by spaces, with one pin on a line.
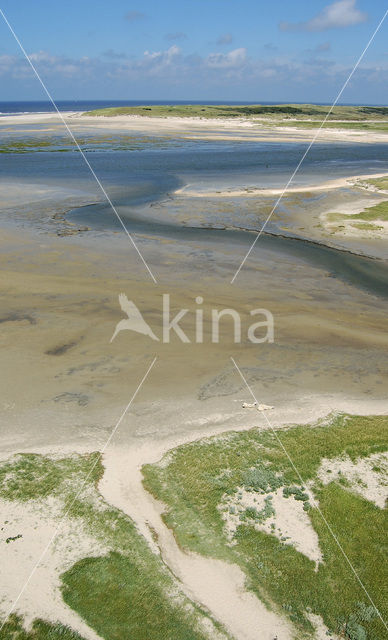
pixel 214 584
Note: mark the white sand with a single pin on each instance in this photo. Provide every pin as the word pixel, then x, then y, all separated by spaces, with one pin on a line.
pixel 321 630
pixel 290 520
pixel 362 475
pixel 254 192
pixel 37 521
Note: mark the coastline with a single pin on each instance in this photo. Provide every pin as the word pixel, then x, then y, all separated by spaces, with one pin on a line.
pixel 248 192
pixel 233 129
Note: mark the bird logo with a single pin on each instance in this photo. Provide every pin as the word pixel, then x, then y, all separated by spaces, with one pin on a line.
pixel 135 320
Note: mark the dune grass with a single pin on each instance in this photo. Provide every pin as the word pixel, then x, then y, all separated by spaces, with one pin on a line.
pixel 127 593
pixel 197 476
pixel 347 117
pixel 120 598
pixel 40 630
pixel 300 111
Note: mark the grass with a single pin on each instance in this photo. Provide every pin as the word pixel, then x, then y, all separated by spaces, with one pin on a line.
pixel 198 475
pixel 126 593
pixel 377 212
pixel 365 219
pixel 380 183
pixel 291 114
pixel 29 476
pixel 113 596
pixel 236 111
pixel 367 226
pixel 40 630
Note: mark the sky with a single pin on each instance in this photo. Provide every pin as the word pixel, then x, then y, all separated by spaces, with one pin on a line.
pixel 279 50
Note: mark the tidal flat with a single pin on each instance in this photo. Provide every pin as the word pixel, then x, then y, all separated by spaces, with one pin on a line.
pixel 65 259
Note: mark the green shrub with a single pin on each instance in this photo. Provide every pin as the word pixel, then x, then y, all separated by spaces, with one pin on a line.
pixel 262 478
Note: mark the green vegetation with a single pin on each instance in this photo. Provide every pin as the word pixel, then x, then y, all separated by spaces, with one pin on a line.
pixel 377 213
pixel 290 114
pixel 40 630
pixel 367 226
pixel 251 513
pixel 317 112
pixel 25 146
pixel 64 144
pixel 262 478
pixel 29 476
pixel 126 593
pixel 115 598
pixel 380 183
pixel 195 478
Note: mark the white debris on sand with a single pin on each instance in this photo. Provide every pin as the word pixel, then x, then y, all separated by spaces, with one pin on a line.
pixel 256 405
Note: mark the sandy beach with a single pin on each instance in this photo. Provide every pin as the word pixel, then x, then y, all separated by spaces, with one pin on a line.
pixel 233 129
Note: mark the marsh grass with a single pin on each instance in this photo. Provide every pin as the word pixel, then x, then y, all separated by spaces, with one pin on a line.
pixel 367 226
pixel 276 571
pixel 380 183
pixel 63 144
pixel 377 213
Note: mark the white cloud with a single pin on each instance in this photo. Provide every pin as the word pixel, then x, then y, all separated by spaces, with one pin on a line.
pixel 163 56
pixel 234 58
pixel 42 57
pixel 342 13
pixel 219 74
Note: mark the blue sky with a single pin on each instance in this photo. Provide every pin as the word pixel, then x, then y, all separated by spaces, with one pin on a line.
pixel 283 50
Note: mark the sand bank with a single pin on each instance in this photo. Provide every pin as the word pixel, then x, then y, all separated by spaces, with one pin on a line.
pixel 195 128
pixel 249 192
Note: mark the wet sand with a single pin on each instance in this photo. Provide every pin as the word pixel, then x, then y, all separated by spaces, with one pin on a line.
pixel 62 378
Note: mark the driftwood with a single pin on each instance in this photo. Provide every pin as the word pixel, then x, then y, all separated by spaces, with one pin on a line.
pixel 256 405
